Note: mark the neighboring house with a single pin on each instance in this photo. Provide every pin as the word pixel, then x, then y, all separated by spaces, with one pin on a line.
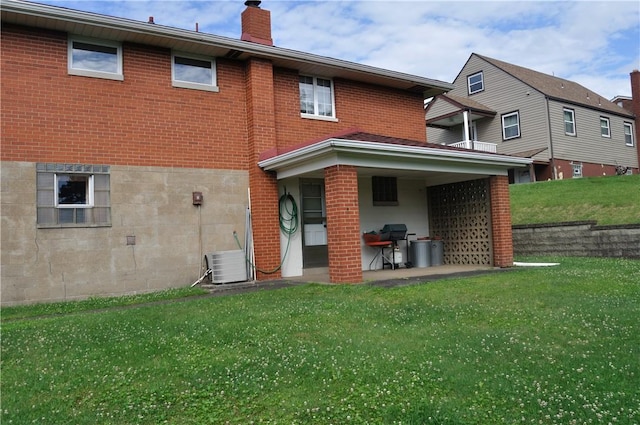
pixel 132 151
pixel 567 129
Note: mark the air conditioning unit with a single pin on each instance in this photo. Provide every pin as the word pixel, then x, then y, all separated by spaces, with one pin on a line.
pixel 226 266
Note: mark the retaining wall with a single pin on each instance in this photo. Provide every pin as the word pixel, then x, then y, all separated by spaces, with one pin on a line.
pixel 577 239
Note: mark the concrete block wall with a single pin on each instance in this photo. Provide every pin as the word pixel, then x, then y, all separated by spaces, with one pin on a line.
pixel 579 239
pixel 151 204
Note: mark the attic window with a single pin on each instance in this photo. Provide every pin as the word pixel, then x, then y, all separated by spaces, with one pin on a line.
pixel 475 82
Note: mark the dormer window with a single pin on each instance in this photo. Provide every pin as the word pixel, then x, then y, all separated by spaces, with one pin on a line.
pixel 95 58
pixel 316 98
pixel 475 82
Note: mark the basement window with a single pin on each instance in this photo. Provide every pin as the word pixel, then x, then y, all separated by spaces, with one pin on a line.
pixel 193 72
pixel 577 170
pixel 73 195
pixel 95 58
pixel 385 191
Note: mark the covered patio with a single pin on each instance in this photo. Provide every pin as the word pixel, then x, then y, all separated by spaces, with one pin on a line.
pixel 457 194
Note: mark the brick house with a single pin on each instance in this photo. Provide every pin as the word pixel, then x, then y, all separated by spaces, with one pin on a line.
pixel 132 150
pixel 565 128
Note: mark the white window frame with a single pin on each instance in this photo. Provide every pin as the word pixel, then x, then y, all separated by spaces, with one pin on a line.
pixel 212 86
pixel 628 135
pixel 88 204
pixel 480 82
pixel 517 115
pixel 315 114
pixel 74 69
pixel 577 170
pixel 606 126
pixel 572 122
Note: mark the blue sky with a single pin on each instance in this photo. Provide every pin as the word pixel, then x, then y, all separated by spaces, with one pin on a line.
pixel 594 43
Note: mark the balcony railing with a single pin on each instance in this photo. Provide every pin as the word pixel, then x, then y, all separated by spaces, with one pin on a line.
pixel 477 146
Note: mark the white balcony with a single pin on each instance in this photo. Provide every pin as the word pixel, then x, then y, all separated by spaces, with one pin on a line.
pixel 476 146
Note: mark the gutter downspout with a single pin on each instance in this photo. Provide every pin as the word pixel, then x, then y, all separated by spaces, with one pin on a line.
pixel 552 157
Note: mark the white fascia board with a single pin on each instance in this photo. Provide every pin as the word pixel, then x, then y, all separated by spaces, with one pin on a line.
pixel 384 155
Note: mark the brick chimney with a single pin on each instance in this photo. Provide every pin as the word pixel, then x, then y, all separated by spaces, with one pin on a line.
pixel 635 106
pixel 256 24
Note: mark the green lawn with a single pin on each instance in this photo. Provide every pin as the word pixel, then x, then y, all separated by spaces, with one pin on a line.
pixel 607 200
pixel 554 345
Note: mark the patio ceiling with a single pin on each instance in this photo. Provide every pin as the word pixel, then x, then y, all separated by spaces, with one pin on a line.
pixel 434 163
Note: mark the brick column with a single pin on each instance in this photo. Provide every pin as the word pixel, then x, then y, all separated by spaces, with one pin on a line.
pixel 343 224
pixel 261 130
pixel 501 221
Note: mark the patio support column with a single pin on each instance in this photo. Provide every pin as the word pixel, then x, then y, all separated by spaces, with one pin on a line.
pixel 343 224
pixel 501 221
pixel 467 137
pixel 264 186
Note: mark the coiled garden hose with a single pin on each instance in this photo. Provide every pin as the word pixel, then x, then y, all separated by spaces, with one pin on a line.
pixel 288 217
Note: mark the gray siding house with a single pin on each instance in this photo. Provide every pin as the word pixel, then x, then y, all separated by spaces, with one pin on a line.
pixel 567 129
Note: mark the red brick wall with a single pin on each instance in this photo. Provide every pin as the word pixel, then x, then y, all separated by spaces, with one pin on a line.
pixel 48 115
pixel 264 186
pixel 370 108
pixel 588 169
pixel 256 25
pixel 501 221
pixel 343 224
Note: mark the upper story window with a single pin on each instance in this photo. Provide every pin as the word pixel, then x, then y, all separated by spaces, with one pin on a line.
pixel 510 125
pixel 95 58
pixel 628 134
pixel 316 98
pixel 569 122
pixel 76 195
pixel 193 72
pixel 475 82
pixel 605 129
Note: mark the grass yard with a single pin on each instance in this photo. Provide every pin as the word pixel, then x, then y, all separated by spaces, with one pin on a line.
pixel 554 345
pixel 608 200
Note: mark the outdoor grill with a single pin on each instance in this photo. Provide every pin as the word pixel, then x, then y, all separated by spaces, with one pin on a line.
pixel 393 232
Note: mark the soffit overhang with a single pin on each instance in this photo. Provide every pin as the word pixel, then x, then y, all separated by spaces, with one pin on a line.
pixel 374 158
pixel 126 30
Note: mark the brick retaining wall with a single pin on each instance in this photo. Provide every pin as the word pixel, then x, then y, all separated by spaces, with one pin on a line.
pixel 577 239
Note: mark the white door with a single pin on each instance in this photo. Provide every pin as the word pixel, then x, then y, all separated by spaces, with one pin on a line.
pixel 315 251
pixel 313 213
